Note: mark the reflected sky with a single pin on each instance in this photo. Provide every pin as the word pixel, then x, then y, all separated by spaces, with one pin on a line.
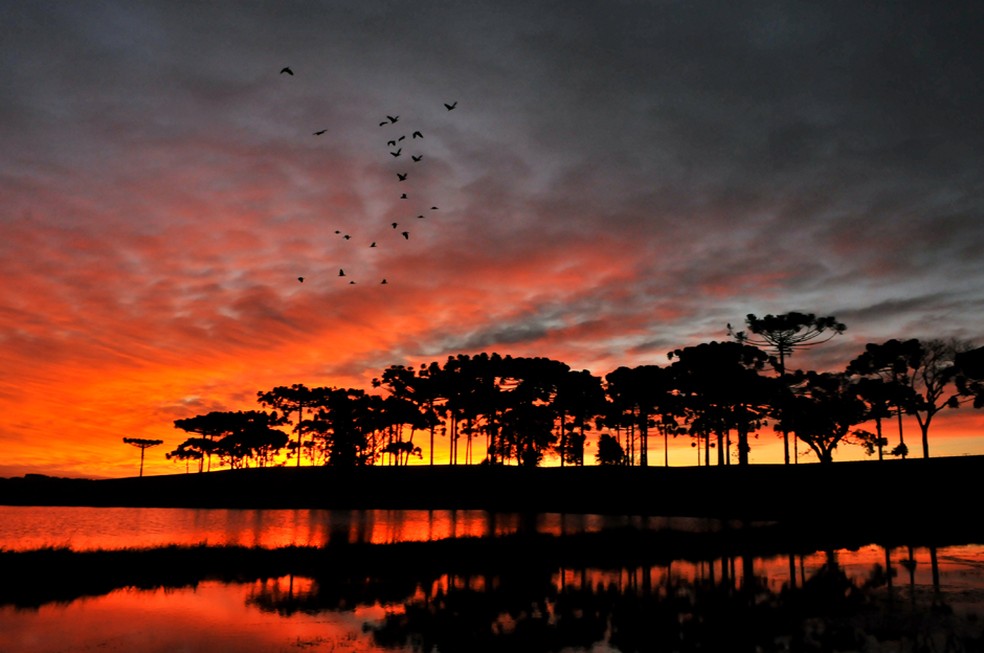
pixel 82 529
pixel 534 605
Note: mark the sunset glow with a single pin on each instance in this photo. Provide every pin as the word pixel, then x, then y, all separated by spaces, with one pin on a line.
pixel 614 183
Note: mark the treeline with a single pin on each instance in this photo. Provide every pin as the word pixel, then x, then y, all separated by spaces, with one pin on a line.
pixel 493 409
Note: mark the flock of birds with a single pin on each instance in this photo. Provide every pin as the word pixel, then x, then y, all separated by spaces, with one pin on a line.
pixel 395 146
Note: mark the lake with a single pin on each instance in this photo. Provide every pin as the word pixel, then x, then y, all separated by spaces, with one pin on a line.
pixel 377 580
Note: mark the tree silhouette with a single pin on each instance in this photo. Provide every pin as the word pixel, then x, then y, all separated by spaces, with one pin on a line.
pixel 970 375
pixel 609 451
pixel 236 437
pixel 823 411
pixel 783 334
pixel 894 362
pixel 142 444
pixel 288 399
pixel 643 397
pixel 721 389
pixel 933 381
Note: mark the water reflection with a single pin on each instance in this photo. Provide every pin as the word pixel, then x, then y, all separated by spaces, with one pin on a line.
pixel 872 598
pixel 84 529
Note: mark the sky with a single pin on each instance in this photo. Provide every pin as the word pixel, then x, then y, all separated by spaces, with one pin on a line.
pixel 616 180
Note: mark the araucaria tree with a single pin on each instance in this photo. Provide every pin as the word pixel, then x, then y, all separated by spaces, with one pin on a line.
pixel 782 334
pixel 143 444
pixel 720 390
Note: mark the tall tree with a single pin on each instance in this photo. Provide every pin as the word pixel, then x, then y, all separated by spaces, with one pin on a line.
pixel 721 389
pixel 934 383
pixel 143 444
pixel 236 437
pixel 290 399
pixel 970 375
pixel 782 334
pixel 823 411
pixel 645 397
pixel 894 362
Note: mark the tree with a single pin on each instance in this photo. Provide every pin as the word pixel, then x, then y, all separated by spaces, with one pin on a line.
pixel 893 362
pixel 288 399
pixel 782 334
pixel 142 444
pixel 934 376
pixel 210 427
pixel 721 389
pixel 970 375
pixel 643 397
pixel 236 437
pixel 609 452
pixel 824 409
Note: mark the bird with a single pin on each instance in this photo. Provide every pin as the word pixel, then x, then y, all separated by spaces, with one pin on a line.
pixel 341 272
pixel 401 138
pixel 373 244
pixel 451 106
pixel 420 217
pixel 433 208
pixel 320 132
pixel 301 279
pixel 286 69
pixel 383 281
pixel 337 231
pixel 397 153
pixel 346 237
pixel 391 143
pixel 416 157
pixel 403 196
pixel 406 235
pixel 417 135
pixel 351 283
pixel 402 176
pixel 394 224
pixel 390 120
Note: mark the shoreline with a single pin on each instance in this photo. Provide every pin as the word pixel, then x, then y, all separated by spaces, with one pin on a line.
pixel 861 491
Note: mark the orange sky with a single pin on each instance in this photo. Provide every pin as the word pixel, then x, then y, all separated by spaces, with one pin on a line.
pixel 613 184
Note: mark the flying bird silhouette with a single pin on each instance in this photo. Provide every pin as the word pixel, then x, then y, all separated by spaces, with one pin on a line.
pixel 391 143
pixel 373 244
pixel 346 237
pixel 286 69
pixel 417 157
pixel 383 281
pixel 401 138
pixel 390 120
pixel 301 279
pixel 319 133
pixel 433 208
pixel 417 135
pixel 403 196
pixel 402 176
pixel 394 224
pixel 420 217
pixel 451 106
pixel 406 235
pixel 341 272
pixel 397 153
